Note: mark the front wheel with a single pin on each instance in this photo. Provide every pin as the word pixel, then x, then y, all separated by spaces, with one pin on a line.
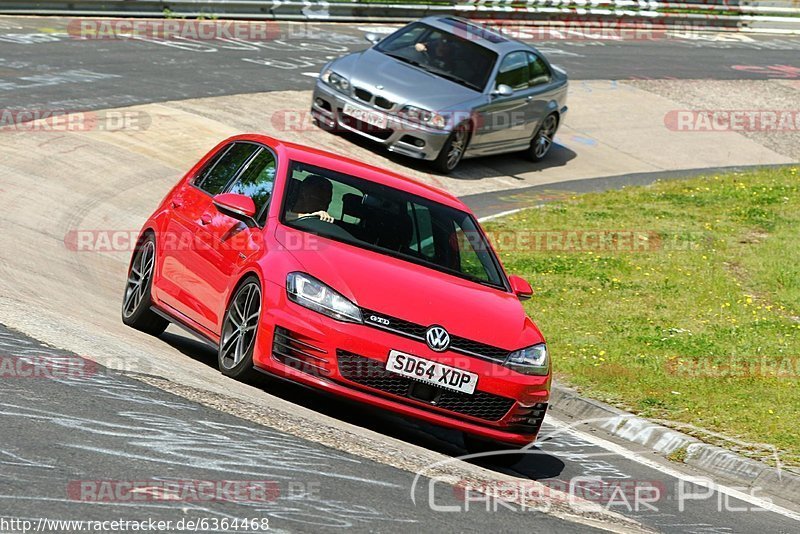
pixel 453 150
pixel 239 329
pixel 136 302
pixel 542 140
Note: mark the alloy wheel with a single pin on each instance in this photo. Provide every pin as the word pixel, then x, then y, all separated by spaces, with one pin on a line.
pixel 544 140
pixel 241 323
pixel 457 147
pixel 139 278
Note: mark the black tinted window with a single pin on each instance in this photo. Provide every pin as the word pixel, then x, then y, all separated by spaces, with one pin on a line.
pixel 214 180
pixel 538 71
pixel 257 180
pixel 514 71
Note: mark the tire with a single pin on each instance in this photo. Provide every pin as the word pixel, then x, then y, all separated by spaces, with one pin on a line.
pixel 239 330
pixel 542 140
pixel 136 300
pixel 453 150
pixel 475 445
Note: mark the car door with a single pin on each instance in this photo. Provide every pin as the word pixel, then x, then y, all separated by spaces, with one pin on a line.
pixel 505 120
pixel 226 243
pixel 183 282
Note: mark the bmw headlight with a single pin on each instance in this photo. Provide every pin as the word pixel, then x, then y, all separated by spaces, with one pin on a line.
pixel 337 81
pixel 309 292
pixel 531 361
pixel 430 118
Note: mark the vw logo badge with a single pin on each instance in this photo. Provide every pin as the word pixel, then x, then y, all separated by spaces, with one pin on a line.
pixel 438 339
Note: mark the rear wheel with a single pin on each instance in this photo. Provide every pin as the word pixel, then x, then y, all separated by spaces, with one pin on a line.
pixel 136 303
pixel 543 138
pixel 239 329
pixel 504 455
pixel 453 150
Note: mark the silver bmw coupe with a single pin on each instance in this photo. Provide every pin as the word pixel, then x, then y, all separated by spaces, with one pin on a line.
pixel 443 89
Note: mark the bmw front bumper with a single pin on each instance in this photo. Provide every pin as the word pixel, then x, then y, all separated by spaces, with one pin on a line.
pixel 400 136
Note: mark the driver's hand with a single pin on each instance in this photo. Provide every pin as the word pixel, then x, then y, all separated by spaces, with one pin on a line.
pixel 421 47
pixel 323 216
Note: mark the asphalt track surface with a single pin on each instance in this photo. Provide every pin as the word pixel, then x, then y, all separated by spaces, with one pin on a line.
pixel 44 66
pixel 110 427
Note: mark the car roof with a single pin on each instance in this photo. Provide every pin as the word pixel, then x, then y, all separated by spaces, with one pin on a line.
pixel 343 164
pixel 477 33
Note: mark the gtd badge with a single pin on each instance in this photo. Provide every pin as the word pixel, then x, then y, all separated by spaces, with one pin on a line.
pixel 438 339
pixel 379 320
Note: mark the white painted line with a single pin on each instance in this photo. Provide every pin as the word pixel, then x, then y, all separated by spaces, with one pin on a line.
pixel 627 453
pixel 501 214
pixel 311 74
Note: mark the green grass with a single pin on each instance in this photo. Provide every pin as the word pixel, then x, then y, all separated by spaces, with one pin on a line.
pixel 703 327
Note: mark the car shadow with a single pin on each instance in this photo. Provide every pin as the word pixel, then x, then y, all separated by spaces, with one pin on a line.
pixel 510 164
pixel 535 465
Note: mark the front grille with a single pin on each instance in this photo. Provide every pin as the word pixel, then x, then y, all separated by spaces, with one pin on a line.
pixel 384 103
pixel 293 350
pixel 362 94
pixel 372 374
pixel 362 126
pixel 417 331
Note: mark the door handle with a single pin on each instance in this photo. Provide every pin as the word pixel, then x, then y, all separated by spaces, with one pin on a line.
pixel 205 219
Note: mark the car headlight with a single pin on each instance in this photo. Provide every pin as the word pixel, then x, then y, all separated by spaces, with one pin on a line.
pixel 309 292
pixel 424 116
pixel 530 361
pixel 337 81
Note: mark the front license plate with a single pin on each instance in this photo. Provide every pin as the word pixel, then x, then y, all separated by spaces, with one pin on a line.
pixel 373 118
pixel 430 372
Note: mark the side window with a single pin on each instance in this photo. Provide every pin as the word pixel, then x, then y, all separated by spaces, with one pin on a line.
pixel 217 177
pixel 257 180
pixel 205 171
pixel 539 72
pixel 422 240
pixel 514 71
pixel 470 261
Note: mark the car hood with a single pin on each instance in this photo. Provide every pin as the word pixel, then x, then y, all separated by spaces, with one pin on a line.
pixel 401 82
pixel 411 292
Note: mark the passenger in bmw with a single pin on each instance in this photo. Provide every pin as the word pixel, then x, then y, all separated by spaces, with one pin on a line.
pixel 311 199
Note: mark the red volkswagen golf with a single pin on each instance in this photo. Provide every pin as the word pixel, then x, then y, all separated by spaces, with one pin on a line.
pixel 348 278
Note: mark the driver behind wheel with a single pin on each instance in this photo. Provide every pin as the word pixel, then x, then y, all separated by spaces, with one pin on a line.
pixel 312 200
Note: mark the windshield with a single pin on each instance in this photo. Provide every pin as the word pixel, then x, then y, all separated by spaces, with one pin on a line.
pixel 444 54
pixel 388 221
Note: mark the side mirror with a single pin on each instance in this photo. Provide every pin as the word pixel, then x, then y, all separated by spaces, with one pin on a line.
pixel 235 205
pixel 521 288
pixel 373 38
pixel 503 90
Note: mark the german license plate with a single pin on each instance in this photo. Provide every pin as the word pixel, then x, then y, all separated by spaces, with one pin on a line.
pixel 431 372
pixel 373 118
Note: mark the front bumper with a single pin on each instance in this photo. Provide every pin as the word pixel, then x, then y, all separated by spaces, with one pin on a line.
pixel 400 136
pixel 349 360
